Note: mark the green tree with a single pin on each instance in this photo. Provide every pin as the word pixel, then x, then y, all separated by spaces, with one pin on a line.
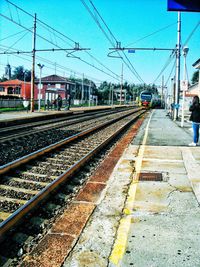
pixel 19 73
pixel 3 79
pixel 195 77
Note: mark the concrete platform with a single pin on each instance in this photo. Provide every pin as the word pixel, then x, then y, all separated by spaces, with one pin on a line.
pixel 147 223
pixel 19 115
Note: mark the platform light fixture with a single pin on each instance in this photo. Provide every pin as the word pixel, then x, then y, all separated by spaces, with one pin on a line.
pixel 185 82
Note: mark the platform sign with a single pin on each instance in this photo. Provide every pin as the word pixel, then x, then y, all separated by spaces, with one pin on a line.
pixel 131 51
pixel 184 5
pixel 184 85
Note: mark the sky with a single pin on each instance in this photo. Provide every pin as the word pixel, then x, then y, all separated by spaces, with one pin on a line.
pixel 133 23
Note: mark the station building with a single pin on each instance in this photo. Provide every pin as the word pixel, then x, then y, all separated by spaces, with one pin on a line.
pixel 48 88
pixel 15 88
pixel 195 88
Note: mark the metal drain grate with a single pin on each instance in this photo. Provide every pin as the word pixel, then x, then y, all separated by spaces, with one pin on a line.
pixel 150 176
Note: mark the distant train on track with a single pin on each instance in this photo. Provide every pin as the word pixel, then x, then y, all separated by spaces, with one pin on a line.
pixel 149 99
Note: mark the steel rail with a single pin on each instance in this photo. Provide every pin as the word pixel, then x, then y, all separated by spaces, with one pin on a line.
pixel 30 205
pixel 61 122
pixel 18 162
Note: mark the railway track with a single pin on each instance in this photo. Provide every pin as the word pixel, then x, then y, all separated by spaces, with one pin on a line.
pixel 20 144
pixel 28 182
pixel 18 130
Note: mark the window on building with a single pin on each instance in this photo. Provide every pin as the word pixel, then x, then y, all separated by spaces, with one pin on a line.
pixel 17 91
pixel 58 85
pixel 10 90
pixel 40 86
pixel 2 89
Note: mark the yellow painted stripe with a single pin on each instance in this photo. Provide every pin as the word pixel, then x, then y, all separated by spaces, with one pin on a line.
pixel 125 223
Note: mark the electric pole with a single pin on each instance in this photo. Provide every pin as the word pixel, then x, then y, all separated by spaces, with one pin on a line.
pixel 177 88
pixel 33 66
pixel 121 85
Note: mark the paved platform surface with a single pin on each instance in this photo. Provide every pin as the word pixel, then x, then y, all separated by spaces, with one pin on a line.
pixel 23 114
pixel 147 223
pixel 128 222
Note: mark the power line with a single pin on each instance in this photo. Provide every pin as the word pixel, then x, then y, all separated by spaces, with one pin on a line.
pixel 96 20
pixel 134 72
pixel 17 41
pixel 146 36
pixel 172 69
pixel 51 63
pixel 103 21
pixel 45 25
pixel 193 31
pixel 165 66
pixel 12 35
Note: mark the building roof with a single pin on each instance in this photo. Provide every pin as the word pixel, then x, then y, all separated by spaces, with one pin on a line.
pixel 196 64
pixel 13 82
pixel 53 78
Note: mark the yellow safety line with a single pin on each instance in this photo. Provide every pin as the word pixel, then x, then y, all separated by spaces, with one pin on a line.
pixel 125 223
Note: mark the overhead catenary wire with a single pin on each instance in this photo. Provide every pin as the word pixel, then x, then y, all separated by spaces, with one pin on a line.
pixel 155 32
pixel 12 35
pixel 170 74
pixel 116 76
pixel 50 63
pixel 169 59
pixel 111 41
pixel 190 35
pixel 133 70
pixel 16 41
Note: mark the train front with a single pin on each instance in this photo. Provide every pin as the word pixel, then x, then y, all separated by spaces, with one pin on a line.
pixel 146 99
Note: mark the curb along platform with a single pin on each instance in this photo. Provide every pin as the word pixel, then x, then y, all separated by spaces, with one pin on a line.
pixel 147 223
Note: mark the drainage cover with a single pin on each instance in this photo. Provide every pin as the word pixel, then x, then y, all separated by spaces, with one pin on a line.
pixel 150 176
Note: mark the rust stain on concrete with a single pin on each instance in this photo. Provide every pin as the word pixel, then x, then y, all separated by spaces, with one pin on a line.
pixel 73 219
pixel 50 252
pixel 104 171
pixel 91 192
pixel 90 259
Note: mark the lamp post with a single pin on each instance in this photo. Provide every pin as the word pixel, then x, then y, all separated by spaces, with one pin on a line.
pixel 184 84
pixel 25 85
pixel 39 96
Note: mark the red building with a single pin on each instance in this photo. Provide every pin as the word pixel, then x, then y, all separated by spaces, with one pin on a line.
pixel 16 88
pixel 51 87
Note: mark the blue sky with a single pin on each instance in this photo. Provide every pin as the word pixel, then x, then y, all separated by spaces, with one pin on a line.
pixel 130 21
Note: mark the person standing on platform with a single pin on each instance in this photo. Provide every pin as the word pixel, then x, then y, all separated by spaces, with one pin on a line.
pixel 195 118
pixel 59 100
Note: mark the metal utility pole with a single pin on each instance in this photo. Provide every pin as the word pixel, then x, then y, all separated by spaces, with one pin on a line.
pixel 112 91
pixel 25 85
pixel 89 92
pixel 121 85
pixel 184 84
pixel 82 91
pixel 33 66
pixel 40 84
pixel 177 88
pixel 162 90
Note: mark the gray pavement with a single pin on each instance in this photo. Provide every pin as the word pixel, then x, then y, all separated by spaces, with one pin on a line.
pixel 24 114
pixel 20 114
pixel 165 132
pixel 147 223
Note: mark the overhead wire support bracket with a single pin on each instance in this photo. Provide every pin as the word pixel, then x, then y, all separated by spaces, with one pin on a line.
pixel 44 50
pixel 140 48
pixel 109 54
pixel 118 47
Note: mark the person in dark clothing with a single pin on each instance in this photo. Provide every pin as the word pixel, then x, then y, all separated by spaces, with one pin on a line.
pixel 59 100
pixel 54 104
pixel 195 118
pixel 69 102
